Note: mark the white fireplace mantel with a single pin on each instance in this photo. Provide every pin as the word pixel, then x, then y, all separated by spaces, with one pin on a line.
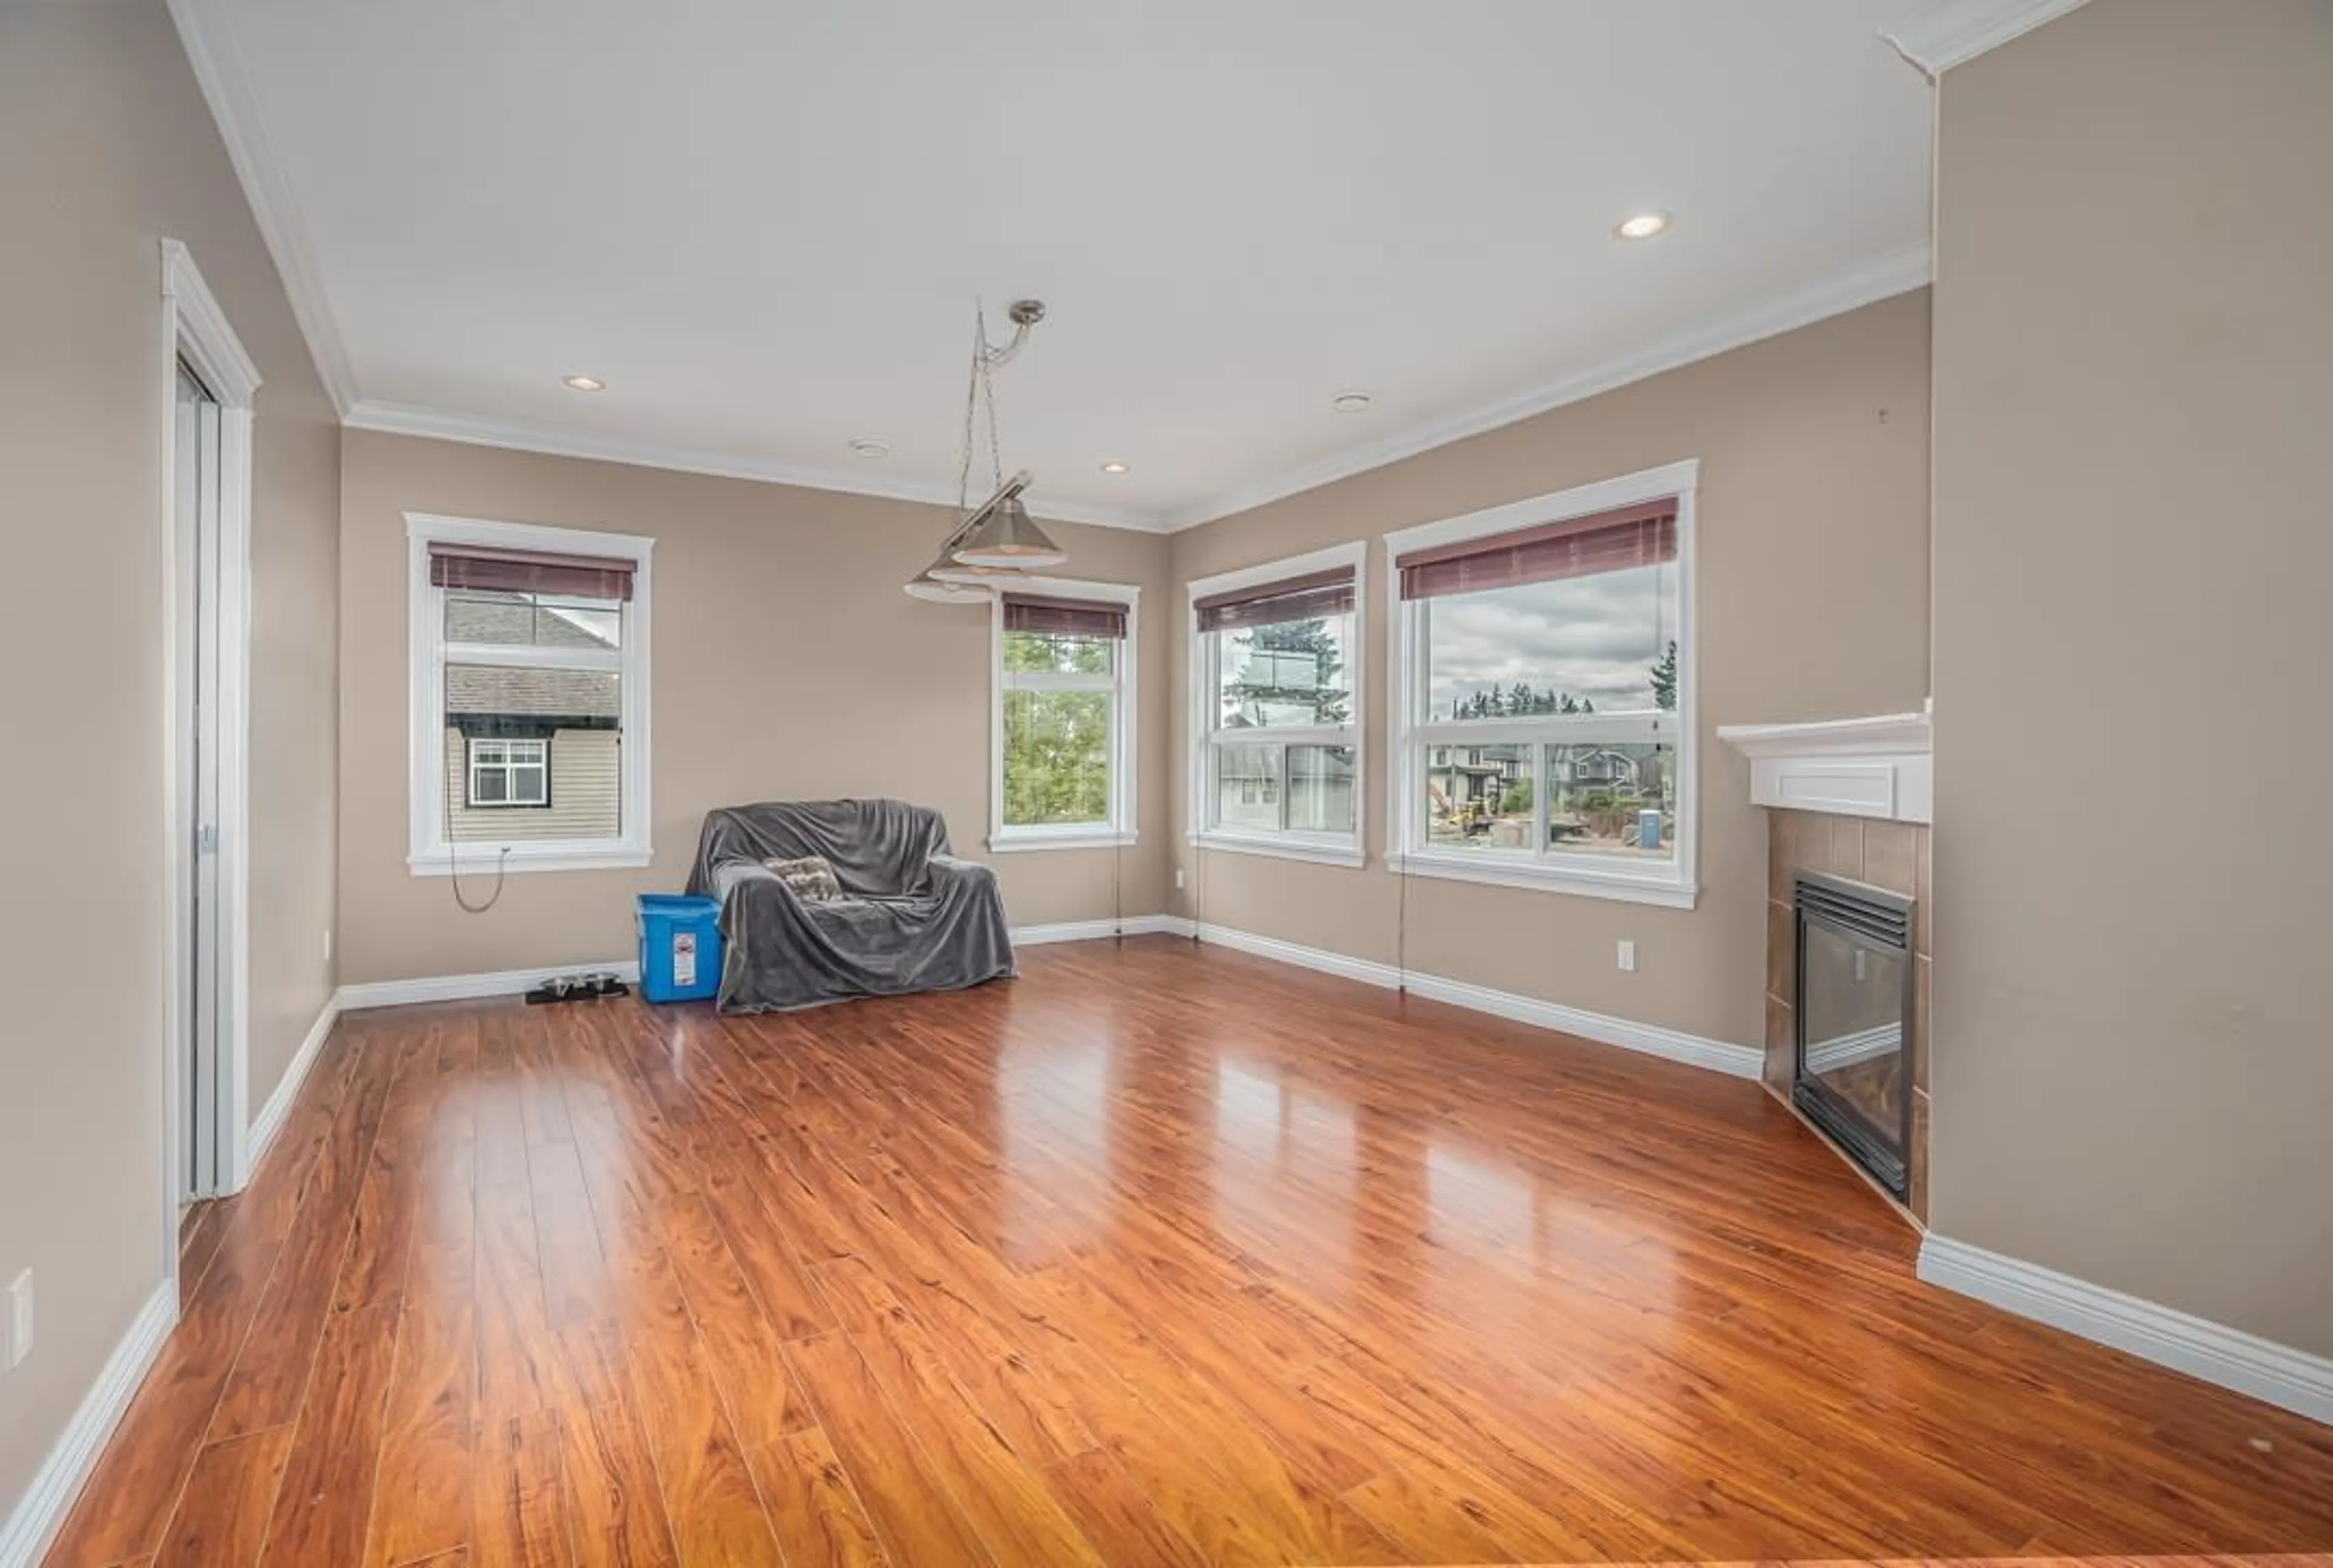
pixel 1854 768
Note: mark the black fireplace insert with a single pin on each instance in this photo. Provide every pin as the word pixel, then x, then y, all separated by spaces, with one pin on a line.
pixel 1853 1076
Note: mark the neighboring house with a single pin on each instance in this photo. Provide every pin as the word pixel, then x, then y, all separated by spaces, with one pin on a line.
pixel 1597 769
pixel 531 754
pixel 1460 777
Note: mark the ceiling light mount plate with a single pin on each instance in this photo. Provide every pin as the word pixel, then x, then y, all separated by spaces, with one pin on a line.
pixel 1349 403
pixel 584 383
pixel 869 448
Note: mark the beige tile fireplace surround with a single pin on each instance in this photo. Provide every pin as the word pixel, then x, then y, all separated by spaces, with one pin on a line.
pixel 1846 799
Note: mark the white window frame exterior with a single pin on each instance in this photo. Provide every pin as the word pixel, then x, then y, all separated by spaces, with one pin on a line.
pixel 429 853
pixel 538 757
pixel 1206 733
pixel 1413 731
pixel 1121 684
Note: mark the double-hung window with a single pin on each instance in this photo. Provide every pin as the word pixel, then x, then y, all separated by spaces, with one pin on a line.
pixel 1275 759
pixel 529 697
pixel 1064 717
pixel 1543 659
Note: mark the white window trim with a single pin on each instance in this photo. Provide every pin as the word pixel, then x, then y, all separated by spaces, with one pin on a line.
pixel 539 759
pixel 1320 848
pixel 1119 830
pixel 1674 885
pixel 429 853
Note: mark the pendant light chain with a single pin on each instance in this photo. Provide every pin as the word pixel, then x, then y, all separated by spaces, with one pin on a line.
pixel 988 392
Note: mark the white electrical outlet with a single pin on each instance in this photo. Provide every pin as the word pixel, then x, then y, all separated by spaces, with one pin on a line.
pixel 20 1319
pixel 1627 957
pixel 1179 878
pixel 328 944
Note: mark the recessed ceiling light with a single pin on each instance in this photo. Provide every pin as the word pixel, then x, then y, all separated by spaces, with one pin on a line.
pixel 1113 466
pixel 867 447
pixel 585 383
pixel 1349 403
pixel 1641 225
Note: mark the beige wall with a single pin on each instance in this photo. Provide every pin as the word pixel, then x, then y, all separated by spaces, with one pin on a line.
pixel 1813 583
pixel 108 148
pixel 2134 1065
pixel 787 664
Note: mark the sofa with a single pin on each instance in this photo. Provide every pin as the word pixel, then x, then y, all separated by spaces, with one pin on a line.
pixel 900 913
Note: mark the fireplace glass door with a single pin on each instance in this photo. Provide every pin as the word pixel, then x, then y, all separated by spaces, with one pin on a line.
pixel 1855 990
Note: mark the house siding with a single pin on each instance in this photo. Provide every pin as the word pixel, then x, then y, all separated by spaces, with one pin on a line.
pixel 586 789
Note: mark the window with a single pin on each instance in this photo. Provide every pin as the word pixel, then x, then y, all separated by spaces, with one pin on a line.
pixel 510 773
pixel 529 697
pixel 1276 702
pixel 1543 659
pixel 1064 720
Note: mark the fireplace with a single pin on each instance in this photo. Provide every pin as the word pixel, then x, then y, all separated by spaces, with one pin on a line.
pixel 1852 1072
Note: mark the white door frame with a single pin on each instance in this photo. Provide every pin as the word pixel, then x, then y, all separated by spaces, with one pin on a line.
pixel 195 330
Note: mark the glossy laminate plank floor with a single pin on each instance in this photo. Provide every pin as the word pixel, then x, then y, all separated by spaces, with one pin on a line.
pixel 1158 1255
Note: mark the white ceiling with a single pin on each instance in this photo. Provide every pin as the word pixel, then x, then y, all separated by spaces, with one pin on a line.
pixel 764 225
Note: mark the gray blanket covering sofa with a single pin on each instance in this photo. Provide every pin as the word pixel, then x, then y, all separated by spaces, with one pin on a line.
pixel 910 916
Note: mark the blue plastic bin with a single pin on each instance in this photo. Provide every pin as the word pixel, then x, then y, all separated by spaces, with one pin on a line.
pixel 680 947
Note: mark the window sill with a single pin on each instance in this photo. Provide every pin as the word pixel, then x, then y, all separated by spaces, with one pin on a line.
pixel 1013 841
pixel 1546 878
pixel 1319 852
pixel 482 859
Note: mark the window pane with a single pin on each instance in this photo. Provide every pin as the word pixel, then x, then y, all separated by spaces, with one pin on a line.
pixel 1242 776
pixel 533 620
pixel 1056 756
pixel 569 719
pixel 1293 672
pixel 1599 644
pixel 1479 797
pixel 1059 653
pixel 1320 789
pixel 1612 798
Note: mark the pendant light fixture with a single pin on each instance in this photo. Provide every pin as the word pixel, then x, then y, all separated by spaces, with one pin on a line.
pixel 997 539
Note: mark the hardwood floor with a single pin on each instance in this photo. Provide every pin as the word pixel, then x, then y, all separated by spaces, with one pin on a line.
pixel 1156 1256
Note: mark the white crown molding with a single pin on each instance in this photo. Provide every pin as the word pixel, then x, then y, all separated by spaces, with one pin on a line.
pixel 1850 290
pixel 26 1533
pixel 209 42
pixel 409 419
pixel 1942 33
pixel 2290 1378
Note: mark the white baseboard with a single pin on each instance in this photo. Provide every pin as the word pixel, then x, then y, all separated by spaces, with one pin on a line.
pixel 38 1515
pixel 2278 1374
pixel 270 1119
pixel 1651 1039
pixel 1716 1056
pixel 464 988
pixel 1089 930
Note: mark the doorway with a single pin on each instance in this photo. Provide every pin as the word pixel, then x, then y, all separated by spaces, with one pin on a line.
pixel 206 508
pixel 196 415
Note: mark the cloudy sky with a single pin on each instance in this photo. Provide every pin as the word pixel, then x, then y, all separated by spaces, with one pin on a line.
pixel 1594 637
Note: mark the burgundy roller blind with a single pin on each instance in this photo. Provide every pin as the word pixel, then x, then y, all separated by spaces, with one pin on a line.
pixel 1065 617
pixel 1644 534
pixel 1315 596
pixel 498 570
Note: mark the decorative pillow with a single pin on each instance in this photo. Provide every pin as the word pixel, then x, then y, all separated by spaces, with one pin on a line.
pixel 811 877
